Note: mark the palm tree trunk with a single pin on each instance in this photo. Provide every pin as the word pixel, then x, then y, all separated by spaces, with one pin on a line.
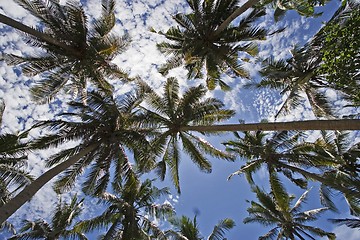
pixel 342 124
pixel 44 37
pixel 234 15
pixel 28 192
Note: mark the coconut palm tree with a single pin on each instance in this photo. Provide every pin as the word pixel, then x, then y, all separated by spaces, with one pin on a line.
pixel 12 161
pixel 130 211
pixel 295 78
pixel 340 156
pixel 171 111
pixel 95 48
pixel 287 153
pixel 305 8
pixel 105 131
pixel 187 229
pixel 282 151
pixel 60 226
pixel 274 209
pixel 193 44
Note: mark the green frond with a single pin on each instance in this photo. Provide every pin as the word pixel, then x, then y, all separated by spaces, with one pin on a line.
pixel 209 149
pixel 278 190
pixel 195 155
pixel 219 230
pixel 270 235
pixel 349 222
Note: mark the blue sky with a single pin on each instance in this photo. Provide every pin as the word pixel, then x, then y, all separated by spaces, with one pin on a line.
pixel 210 195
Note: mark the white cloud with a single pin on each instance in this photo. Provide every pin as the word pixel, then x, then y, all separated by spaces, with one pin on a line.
pixel 343 232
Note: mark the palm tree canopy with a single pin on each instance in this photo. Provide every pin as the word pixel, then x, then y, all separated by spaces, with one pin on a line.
pixel 297 79
pixel 331 160
pixel 187 229
pixel 274 209
pixel 130 211
pixel 340 156
pixel 168 113
pixel 65 70
pixel 192 42
pixel 113 127
pixel 62 219
pixel 12 161
pixel 282 151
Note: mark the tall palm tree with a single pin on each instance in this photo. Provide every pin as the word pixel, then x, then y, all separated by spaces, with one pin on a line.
pixel 274 209
pixel 130 211
pixel 305 8
pixel 340 155
pixel 193 44
pixel 297 77
pixel 187 229
pixel 287 153
pixel 60 226
pixel 95 48
pixel 105 131
pixel 281 151
pixel 171 111
pixel 12 161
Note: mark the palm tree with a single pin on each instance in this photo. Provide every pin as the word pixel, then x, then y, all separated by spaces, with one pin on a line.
pixel 169 113
pixel 130 210
pixel 194 45
pixel 61 68
pixel 61 221
pixel 12 161
pixel 305 8
pixel 340 155
pixel 187 229
pixel 287 153
pixel 282 151
pixel 106 131
pixel 274 209
pixel 296 77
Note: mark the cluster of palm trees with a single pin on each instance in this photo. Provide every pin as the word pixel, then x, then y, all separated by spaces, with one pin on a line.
pixel 119 138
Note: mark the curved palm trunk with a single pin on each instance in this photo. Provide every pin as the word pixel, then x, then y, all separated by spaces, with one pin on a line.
pixel 234 15
pixel 28 192
pixel 342 124
pixel 44 37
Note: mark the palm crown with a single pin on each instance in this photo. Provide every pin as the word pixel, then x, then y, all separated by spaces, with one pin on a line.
pixel 194 43
pixel 185 228
pixel 12 160
pixel 113 128
pixel 169 113
pixel 287 153
pixel 60 226
pixel 129 212
pixel 294 77
pixel 95 48
pixel 274 209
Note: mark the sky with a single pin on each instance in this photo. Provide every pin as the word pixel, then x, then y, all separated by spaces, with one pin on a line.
pixel 211 196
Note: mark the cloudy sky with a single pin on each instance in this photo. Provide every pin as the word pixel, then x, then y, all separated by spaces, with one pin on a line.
pixel 211 196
